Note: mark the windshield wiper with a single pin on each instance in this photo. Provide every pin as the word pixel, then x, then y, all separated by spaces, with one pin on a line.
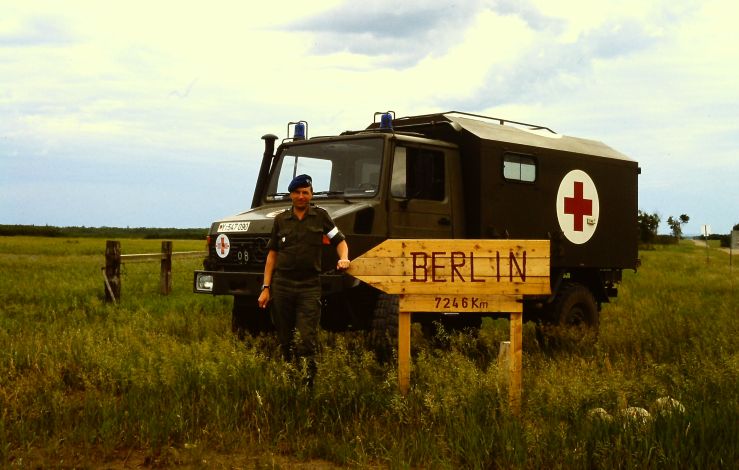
pixel 327 193
pixel 332 193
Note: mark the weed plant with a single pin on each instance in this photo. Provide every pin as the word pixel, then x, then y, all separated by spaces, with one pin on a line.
pixel 86 384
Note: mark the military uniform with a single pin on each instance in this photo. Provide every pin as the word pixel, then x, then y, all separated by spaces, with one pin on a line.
pixel 296 286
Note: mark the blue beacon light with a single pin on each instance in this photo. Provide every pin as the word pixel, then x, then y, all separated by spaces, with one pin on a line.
pixel 299 133
pixel 386 121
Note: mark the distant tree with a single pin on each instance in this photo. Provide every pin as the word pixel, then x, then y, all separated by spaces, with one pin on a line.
pixel 736 227
pixel 648 224
pixel 676 224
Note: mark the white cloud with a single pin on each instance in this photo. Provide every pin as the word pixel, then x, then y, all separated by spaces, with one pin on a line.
pixel 389 33
pixel 88 86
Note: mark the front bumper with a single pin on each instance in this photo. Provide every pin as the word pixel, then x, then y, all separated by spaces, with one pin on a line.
pixel 246 283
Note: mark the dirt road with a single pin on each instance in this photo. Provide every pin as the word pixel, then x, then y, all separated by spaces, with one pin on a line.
pixel 702 244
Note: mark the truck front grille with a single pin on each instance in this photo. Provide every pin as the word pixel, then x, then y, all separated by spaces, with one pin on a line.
pixel 244 251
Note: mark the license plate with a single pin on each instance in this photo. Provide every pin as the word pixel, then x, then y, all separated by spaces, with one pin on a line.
pixel 233 227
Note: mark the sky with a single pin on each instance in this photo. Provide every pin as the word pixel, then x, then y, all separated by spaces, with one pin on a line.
pixel 150 113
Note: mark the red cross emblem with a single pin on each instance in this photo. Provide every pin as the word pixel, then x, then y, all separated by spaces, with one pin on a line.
pixel 222 246
pixel 578 206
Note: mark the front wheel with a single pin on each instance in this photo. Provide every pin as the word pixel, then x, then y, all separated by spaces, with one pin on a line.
pixel 384 328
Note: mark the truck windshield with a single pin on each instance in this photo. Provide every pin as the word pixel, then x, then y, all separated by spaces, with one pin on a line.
pixel 346 168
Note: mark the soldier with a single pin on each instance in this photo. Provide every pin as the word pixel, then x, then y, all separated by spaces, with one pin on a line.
pixel 291 272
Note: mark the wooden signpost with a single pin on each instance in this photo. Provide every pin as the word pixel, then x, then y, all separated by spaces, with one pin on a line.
pixel 465 276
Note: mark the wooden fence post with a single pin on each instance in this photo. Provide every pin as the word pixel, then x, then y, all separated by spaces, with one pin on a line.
pixel 165 278
pixel 112 271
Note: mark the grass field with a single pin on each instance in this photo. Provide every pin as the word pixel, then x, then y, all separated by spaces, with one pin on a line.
pixel 160 381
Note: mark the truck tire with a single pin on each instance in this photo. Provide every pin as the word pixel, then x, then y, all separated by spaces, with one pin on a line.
pixel 575 306
pixel 351 309
pixel 384 328
pixel 248 318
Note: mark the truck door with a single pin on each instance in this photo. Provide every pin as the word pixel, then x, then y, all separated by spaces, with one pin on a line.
pixel 420 196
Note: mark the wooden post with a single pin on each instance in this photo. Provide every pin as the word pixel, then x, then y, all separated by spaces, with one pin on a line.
pixel 404 351
pixel 504 355
pixel 112 271
pixel 516 349
pixel 165 278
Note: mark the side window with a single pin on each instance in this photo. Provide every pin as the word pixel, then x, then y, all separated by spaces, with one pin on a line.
pixel 418 174
pixel 517 167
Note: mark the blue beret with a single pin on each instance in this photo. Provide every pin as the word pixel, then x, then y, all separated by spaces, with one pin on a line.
pixel 300 181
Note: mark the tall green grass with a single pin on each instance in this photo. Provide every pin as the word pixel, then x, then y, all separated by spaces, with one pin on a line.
pixel 84 383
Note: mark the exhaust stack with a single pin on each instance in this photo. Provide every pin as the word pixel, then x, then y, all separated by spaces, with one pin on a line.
pixel 269 151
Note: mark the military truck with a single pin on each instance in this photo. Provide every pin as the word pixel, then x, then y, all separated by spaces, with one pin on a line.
pixel 447 175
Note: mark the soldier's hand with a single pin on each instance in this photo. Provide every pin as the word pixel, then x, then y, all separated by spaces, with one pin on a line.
pixel 342 264
pixel 263 298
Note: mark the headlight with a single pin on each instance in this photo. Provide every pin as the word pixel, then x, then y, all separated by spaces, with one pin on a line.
pixel 204 282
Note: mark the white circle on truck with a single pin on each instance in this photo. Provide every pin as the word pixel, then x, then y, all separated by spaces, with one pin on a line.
pixel 223 246
pixel 578 207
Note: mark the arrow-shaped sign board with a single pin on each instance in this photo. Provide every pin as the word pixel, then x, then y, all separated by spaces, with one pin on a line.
pixel 451 275
pixel 463 269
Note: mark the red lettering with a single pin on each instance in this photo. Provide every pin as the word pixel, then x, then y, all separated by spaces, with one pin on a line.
pixel 455 265
pixel 458 260
pixel 472 269
pixel 513 261
pixel 417 267
pixel 435 266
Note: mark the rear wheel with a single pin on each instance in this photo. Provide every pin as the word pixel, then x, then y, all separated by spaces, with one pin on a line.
pixel 571 320
pixel 576 306
pixel 248 318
